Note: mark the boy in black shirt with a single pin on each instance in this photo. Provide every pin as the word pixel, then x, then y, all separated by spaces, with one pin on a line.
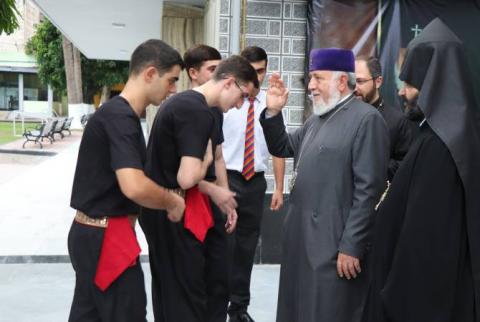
pixel 178 252
pixel 108 187
pixel 200 64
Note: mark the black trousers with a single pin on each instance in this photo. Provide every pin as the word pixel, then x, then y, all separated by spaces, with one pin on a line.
pixel 250 196
pixel 124 301
pixel 189 278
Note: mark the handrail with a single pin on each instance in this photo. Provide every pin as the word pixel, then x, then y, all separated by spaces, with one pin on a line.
pixel 42 116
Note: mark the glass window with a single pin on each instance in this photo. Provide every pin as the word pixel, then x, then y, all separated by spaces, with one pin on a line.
pixel 33 90
pixel 8 91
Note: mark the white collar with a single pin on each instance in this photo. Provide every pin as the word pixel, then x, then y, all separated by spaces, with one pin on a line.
pixel 261 96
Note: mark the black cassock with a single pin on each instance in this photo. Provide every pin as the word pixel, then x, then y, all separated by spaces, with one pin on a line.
pixel 400 133
pixel 421 263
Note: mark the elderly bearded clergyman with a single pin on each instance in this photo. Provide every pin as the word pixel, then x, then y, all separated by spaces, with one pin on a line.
pixel 341 157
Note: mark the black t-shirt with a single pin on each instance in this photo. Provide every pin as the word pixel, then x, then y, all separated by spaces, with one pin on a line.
pixel 182 127
pixel 112 140
pixel 217 139
pixel 218 134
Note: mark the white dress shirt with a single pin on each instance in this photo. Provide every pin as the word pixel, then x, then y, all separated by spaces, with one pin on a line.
pixel 234 125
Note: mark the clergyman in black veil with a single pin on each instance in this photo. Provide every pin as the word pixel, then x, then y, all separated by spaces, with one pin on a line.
pixel 426 243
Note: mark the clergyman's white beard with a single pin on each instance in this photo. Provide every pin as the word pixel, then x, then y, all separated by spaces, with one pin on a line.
pixel 321 107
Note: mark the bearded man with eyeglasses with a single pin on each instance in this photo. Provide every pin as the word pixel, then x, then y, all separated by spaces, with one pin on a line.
pixel 368 73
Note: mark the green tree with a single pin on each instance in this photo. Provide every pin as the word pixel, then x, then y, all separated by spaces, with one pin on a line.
pixel 46 46
pixel 100 74
pixel 8 16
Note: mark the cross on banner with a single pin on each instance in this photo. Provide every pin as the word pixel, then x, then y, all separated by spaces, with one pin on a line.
pixel 416 30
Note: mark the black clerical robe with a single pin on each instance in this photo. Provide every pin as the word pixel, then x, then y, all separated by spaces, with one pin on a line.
pixel 421 269
pixel 400 133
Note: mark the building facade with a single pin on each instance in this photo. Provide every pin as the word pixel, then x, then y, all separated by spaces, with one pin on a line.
pixel 279 27
pixel 20 88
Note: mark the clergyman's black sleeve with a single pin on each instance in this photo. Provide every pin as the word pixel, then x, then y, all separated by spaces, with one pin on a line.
pixel 400 146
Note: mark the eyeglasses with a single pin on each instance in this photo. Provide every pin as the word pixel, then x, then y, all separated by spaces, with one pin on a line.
pixel 361 81
pixel 244 95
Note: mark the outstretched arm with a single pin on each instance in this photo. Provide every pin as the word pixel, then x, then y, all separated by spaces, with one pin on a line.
pixel 136 186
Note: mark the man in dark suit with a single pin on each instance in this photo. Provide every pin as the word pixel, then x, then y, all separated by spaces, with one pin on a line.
pixel 368 72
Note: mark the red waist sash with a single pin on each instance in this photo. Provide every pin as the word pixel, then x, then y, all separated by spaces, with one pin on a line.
pixel 198 213
pixel 120 250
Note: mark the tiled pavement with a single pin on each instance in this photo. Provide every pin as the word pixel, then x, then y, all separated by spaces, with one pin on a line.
pixel 34 220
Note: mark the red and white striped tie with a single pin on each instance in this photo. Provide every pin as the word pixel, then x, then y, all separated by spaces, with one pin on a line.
pixel 248 157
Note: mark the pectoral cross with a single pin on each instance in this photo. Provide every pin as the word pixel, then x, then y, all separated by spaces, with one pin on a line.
pixel 292 180
pixel 416 30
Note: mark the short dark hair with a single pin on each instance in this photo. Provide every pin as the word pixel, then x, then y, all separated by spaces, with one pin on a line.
pixel 196 55
pixel 237 67
pixel 157 53
pixel 254 54
pixel 373 65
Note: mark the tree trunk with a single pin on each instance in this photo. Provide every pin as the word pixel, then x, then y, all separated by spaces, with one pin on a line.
pixel 72 68
pixel 105 94
pixel 77 69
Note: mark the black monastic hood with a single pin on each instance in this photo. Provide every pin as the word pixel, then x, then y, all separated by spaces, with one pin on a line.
pixel 436 65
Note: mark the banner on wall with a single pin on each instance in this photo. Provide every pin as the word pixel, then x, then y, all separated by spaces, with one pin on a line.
pixel 384 29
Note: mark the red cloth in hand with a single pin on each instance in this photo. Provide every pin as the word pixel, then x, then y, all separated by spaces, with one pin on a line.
pixel 198 213
pixel 120 250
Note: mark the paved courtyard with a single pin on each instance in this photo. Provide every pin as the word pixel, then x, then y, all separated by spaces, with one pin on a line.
pixel 36 280
pixel 43 292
